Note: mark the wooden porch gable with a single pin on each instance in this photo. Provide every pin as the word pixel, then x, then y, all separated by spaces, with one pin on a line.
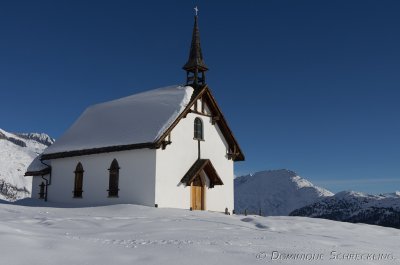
pixel 197 167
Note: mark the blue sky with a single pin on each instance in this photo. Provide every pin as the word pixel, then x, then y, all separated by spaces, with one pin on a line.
pixel 311 86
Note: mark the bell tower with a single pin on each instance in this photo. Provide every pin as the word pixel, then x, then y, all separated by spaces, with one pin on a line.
pixel 195 67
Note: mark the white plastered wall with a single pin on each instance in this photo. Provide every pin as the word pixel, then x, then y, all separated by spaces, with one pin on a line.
pixel 36 181
pixel 136 178
pixel 178 157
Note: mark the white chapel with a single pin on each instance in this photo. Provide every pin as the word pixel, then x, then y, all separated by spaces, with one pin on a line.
pixel 167 147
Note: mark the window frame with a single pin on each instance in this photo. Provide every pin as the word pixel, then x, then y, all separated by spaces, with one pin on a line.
pixel 78 183
pixel 198 130
pixel 113 179
pixel 42 191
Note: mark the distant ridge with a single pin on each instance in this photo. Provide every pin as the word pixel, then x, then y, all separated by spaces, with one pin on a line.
pixel 356 207
pixel 275 192
pixel 38 137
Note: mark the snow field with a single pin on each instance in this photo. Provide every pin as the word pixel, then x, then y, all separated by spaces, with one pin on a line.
pixel 131 234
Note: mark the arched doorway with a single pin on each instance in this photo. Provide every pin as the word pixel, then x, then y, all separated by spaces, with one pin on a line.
pixel 197 193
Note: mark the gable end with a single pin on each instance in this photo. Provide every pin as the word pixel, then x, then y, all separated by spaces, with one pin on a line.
pixel 235 153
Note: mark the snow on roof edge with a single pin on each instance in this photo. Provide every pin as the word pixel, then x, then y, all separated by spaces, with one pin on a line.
pixel 185 101
pixel 36 165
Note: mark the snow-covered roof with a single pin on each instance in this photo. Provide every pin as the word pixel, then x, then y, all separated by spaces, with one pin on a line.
pixel 136 119
pixel 36 165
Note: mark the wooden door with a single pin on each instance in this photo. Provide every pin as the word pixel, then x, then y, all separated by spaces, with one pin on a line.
pixel 197 194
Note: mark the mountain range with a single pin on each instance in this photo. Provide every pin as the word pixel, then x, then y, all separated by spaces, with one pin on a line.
pixel 356 207
pixel 17 152
pixel 283 192
pixel 275 192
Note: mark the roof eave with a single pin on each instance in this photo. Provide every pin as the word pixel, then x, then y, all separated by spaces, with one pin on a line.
pixel 42 172
pixel 202 165
pixel 99 150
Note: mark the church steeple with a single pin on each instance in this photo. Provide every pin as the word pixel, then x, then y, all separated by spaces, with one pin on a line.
pixel 195 66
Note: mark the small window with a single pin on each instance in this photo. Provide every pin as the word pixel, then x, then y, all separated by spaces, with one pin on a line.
pixel 42 190
pixel 114 179
pixel 198 129
pixel 78 181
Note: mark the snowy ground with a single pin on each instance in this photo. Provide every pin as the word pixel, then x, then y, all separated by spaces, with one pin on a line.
pixel 129 234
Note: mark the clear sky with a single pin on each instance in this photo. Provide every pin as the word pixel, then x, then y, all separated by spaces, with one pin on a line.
pixel 311 86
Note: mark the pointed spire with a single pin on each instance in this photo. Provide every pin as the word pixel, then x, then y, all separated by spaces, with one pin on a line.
pixel 195 66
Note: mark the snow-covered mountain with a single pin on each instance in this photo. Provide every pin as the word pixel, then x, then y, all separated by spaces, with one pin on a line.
pixel 356 207
pixel 275 192
pixel 38 137
pixel 16 153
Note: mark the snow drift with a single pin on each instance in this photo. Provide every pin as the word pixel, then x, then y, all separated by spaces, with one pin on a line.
pixel 131 234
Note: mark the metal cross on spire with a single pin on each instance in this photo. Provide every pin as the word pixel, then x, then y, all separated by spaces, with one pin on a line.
pixel 196 10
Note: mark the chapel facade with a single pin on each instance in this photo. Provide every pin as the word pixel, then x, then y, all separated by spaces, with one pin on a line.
pixel 166 147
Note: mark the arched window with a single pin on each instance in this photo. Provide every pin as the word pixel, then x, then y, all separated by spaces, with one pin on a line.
pixel 78 181
pixel 198 129
pixel 114 179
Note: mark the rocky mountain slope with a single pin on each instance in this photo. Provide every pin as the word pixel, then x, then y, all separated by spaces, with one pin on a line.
pixel 356 207
pixel 17 150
